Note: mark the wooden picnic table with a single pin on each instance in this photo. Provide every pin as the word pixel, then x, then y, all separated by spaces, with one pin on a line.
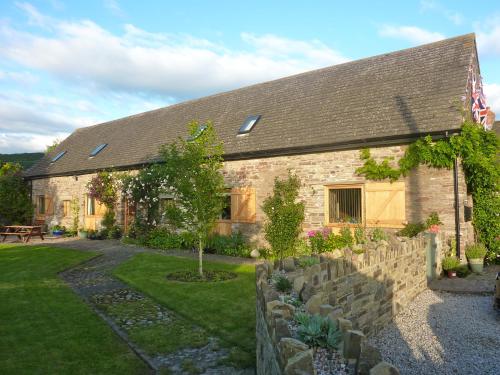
pixel 23 232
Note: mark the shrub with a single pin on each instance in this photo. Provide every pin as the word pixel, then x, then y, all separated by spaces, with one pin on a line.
pixel 411 230
pixel 284 216
pixel 302 247
pixel 115 232
pixel 161 238
pixel 339 241
pixel 462 270
pixel 282 284
pixel 15 201
pixel 450 263
pixel 433 219
pixel 476 251
pixel 233 245
pixel 318 331
pixel 308 262
pixel 378 235
pixel 317 239
pixel 359 235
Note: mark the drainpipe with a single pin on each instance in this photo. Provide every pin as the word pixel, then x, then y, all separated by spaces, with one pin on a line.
pixel 457 207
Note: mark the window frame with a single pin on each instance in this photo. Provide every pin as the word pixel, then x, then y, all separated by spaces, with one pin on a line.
pixel 227 193
pixel 89 199
pixel 39 199
pixel 326 204
pixel 66 204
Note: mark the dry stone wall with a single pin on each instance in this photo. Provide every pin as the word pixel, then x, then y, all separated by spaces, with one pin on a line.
pixel 361 292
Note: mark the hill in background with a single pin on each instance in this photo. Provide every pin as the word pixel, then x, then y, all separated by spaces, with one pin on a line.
pixel 25 159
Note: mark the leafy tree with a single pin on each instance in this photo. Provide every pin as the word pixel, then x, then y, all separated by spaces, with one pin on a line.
pixel 53 146
pixel 284 216
pixel 192 171
pixel 15 202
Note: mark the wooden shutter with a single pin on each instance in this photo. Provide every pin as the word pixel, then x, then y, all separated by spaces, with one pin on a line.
pixel 100 208
pixel 243 205
pixel 385 204
pixel 49 206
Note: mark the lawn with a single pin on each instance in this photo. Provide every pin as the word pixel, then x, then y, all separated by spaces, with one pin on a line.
pixel 226 309
pixel 44 327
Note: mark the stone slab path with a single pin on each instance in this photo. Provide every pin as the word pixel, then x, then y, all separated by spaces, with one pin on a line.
pixel 473 284
pixel 94 283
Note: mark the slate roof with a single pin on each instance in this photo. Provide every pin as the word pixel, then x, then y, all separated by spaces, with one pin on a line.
pixel 387 98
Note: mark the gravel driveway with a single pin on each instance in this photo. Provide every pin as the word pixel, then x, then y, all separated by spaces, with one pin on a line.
pixel 443 333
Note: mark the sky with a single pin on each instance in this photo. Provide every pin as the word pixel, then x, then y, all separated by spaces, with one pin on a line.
pixel 68 64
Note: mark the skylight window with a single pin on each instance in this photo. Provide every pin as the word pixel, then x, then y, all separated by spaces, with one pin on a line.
pixel 249 124
pixel 197 133
pixel 98 149
pixel 58 156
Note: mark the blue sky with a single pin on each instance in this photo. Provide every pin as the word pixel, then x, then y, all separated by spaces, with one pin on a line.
pixel 67 64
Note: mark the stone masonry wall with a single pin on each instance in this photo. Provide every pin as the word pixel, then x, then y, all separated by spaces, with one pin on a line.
pixel 363 291
pixel 427 189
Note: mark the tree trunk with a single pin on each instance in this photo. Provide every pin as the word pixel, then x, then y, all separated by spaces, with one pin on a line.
pixel 200 256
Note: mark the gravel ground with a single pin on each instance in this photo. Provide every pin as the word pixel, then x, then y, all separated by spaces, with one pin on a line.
pixel 443 333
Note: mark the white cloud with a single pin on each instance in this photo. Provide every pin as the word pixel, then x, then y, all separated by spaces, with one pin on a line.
pixel 114 7
pixel 103 75
pixel 492 92
pixel 177 65
pixel 27 142
pixel 488 37
pixel 434 6
pixel 413 34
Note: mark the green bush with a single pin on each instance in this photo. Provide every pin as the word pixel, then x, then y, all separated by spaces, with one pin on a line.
pixel 359 235
pixel 412 229
pixel 282 284
pixel 318 331
pixel 476 251
pixel 339 241
pixel 160 238
pixel 462 270
pixel 302 247
pixel 308 261
pixel 284 216
pixel 233 245
pixel 15 201
pixel 433 219
pixel 378 235
pixel 450 263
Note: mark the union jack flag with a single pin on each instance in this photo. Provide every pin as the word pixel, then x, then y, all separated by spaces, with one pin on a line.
pixel 478 100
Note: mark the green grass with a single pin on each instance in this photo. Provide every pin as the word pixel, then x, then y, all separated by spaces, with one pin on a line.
pixel 225 309
pixel 44 327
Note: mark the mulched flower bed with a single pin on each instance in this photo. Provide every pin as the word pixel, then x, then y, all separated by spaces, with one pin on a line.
pixel 208 276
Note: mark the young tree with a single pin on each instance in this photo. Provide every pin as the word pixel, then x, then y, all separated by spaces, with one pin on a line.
pixel 284 216
pixel 192 171
pixel 15 203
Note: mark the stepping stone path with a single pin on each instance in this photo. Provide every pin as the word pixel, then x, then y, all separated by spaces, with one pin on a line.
pixel 94 282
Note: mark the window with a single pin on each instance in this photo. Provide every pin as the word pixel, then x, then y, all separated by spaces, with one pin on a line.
pixel 248 125
pixel 90 206
pixel 58 156
pixel 40 205
pixel 226 211
pixel 345 204
pixel 197 133
pixel 98 149
pixel 66 208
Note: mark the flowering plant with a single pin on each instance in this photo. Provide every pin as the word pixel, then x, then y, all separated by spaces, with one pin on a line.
pixel 104 187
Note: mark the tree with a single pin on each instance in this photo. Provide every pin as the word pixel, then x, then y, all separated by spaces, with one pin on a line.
pixel 52 147
pixel 192 171
pixel 15 202
pixel 284 216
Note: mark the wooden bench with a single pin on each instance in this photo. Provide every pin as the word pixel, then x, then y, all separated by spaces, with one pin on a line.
pixel 23 232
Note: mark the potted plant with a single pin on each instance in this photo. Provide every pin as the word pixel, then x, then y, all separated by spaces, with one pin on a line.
pixel 450 264
pixel 82 233
pixel 58 230
pixel 475 254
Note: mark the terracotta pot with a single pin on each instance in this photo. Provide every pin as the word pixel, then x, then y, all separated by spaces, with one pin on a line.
pixel 452 274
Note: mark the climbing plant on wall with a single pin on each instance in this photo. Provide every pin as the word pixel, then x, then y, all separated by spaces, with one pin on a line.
pixel 478 150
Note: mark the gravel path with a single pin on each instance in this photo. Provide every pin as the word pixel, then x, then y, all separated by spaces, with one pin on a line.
pixel 443 333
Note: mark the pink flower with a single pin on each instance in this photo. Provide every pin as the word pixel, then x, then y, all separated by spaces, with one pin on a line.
pixel 311 233
pixel 326 231
pixel 434 228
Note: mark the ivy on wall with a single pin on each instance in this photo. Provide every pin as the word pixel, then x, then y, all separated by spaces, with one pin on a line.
pixel 478 150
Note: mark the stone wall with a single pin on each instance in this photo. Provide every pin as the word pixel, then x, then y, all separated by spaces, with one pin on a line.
pixel 427 189
pixel 362 292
